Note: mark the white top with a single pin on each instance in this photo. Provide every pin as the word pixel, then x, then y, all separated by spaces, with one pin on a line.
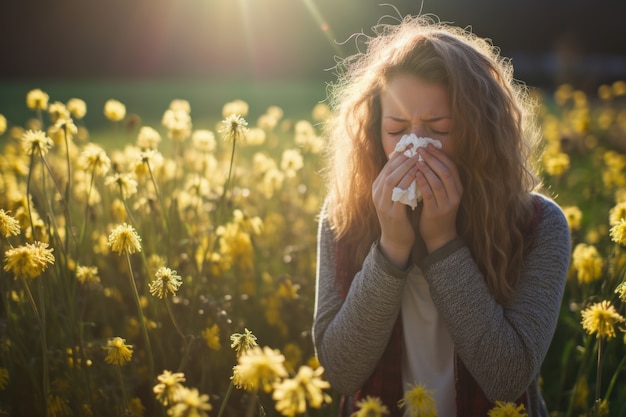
pixel 428 349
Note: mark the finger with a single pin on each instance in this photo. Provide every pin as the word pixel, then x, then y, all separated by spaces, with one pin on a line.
pixel 444 168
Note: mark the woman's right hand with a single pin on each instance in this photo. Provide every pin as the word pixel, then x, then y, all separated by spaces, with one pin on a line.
pixel 397 234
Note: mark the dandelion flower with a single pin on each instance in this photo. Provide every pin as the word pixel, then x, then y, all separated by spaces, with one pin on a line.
pixel 37 100
pixel 57 111
pixel 3 124
pixel 87 274
pixel 587 262
pixel 148 138
pixel 77 107
pixel 203 140
pixel 370 407
pixel 258 369
pixel 621 291
pixel 601 318
pixel 243 342
pixel 9 226
pixel 179 104
pixel 118 352
pixel 508 409
pixel 237 107
pixel 573 216
pixel 178 124
pixel 292 395
pixel 617 213
pixel 190 404
pixel 168 389
pixel 618 232
pixel 114 110
pixel 94 159
pixel 419 402
pixel 291 162
pixel 29 260
pixel 234 128
pixel 126 183
pixel 124 239
pixel 4 378
pixel 166 283
pixel 556 164
pixel 211 336
pixel 36 141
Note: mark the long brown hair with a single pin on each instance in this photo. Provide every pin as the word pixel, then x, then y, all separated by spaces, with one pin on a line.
pixel 493 127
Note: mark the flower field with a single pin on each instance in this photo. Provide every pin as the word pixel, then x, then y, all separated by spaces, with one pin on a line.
pixel 168 269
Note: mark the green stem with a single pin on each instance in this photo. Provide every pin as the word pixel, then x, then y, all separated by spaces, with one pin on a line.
pixel 226 398
pixel 614 378
pixel 158 194
pixel 141 317
pixel 183 362
pixel 126 403
pixel 599 369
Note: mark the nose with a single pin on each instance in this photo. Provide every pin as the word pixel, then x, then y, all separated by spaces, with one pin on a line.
pixel 418 130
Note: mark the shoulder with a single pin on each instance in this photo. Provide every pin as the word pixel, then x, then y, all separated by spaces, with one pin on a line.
pixel 553 223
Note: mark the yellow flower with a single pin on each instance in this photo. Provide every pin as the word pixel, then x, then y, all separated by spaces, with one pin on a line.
pixel 36 141
pixel 556 164
pixel 190 404
pixel 3 124
pixel 617 213
pixel 178 123
pixel 118 352
pixel 124 182
pixel 77 107
pixel 258 369
pixel 114 110
pixel 37 100
pixel 94 159
pixel 418 402
pixel 4 378
pixel 9 226
pixel 124 239
pixel 203 140
pixel 621 291
pixel 148 138
pixel 291 162
pixel 573 216
pixel 601 318
pixel 168 389
pixel 57 111
pixel 243 342
pixel 587 262
pixel 235 107
pixel 370 407
pixel 507 409
pixel 29 260
pixel 166 283
pixel 87 274
pixel 618 232
pixel 292 394
pixel 211 336
pixel 233 128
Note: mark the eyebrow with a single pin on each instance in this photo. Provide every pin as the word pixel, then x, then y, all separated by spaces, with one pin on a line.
pixel 431 119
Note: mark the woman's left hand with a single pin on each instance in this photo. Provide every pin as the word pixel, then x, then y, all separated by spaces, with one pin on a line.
pixel 440 184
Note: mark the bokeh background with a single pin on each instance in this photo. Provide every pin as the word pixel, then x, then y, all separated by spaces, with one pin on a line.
pixel 213 50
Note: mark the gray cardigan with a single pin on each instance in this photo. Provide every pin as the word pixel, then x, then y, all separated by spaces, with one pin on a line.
pixel 503 347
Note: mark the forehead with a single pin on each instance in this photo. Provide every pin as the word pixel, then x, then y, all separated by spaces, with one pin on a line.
pixel 409 95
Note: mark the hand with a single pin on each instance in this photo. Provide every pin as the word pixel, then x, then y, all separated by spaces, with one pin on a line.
pixel 397 234
pixel 440 184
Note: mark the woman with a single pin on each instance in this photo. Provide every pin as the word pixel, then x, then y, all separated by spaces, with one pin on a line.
pixel 462 294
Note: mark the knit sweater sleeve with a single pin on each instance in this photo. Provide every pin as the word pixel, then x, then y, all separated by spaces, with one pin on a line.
pixel 351 334
pixel 503 346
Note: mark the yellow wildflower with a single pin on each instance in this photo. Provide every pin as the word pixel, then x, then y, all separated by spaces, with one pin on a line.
pixel 291 162
pixel 258 369
pixel 508 409
pixel 556 164
pixel 126 184
pixel 114 110
pixel 419 402
pixel 3 124
pixel 94 159
pixel 178 124
pixel 234 128
pixel 166 283
pixel 4 378
pixel 168 389
pixel 235 107
pixel 37 100
pixel 87 274
pixel 618 232
pixel 36 141
pixel 621 291
pixel 118 352
pixel 601 318
pixel 29 260
pixel 370 407
pixel 148 138
pixel 573 216
pixel 617 213
pixel 307 385
pixel 124 239
pixel 243 342
pixel 190 404
pixel 211 336
pixel 587 262
pixel 9 226
pixel 57 111
pixel 203 140
pixel 77 107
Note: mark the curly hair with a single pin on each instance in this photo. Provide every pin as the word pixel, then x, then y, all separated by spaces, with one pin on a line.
pixel 495 137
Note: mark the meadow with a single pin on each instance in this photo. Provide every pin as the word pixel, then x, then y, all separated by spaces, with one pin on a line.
pixel 159 249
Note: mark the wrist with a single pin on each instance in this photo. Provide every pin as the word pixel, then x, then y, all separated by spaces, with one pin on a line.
pixel 397 255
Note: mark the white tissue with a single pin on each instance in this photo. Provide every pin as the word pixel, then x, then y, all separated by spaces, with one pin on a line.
pixel 411 196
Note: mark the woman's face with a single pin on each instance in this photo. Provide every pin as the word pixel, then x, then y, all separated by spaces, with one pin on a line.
pixel 411 105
